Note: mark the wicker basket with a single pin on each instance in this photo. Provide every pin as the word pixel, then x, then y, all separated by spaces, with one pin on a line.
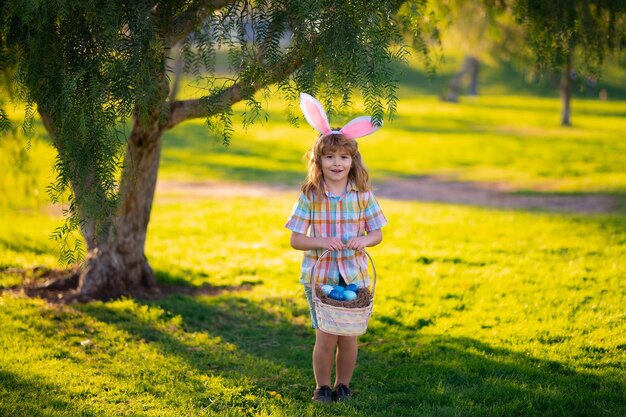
pixel 345 320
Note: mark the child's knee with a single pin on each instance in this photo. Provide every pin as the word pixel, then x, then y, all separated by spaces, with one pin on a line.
pixel 347 341
pixel 326 340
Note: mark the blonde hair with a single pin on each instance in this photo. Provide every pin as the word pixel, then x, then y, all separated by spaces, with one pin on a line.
pixel 324 145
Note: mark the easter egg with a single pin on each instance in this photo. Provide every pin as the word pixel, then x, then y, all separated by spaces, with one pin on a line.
pixel 353 287
pixel 336 295
pixel 349 295
pixel 327 289
pixel 339 288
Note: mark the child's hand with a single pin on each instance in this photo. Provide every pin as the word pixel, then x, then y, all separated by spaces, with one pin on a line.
pixel 331 243
pixel 357 243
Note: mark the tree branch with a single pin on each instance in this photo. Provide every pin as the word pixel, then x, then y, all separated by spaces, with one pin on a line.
pixel 192 109
pixel 183 24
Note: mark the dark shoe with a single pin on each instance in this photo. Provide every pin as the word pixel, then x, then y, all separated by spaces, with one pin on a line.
pixel 323 394
pixel 341 393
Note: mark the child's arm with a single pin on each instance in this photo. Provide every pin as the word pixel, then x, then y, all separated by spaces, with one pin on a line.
pixel 303 242
pixel 373 238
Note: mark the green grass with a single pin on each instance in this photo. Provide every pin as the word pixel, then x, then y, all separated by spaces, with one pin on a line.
pixel 511 139
pixel 479 312
pixel 515 140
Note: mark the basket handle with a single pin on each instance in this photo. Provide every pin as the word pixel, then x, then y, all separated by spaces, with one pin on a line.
pixel 328 251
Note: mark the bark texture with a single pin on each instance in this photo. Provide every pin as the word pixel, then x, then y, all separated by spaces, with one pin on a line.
pixel 118 266
pixel 116 263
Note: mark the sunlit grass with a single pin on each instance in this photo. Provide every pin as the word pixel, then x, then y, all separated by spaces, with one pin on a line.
pixel 512 139
pixel 516 140
pixel 25 240
pixel 25 169
pixel 478 312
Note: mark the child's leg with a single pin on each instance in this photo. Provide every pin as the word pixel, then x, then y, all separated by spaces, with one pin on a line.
pixel 323 357
pixel 347 350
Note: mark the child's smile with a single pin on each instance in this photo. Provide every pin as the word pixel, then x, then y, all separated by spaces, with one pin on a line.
pixel 336 167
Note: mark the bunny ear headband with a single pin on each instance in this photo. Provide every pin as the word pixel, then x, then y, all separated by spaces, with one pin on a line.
pixel 316 116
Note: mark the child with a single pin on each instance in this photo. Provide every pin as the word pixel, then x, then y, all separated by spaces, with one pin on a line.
pixel 340 213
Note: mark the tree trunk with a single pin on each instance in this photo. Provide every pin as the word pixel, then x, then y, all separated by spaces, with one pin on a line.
pixel 565 91
pixel 454 88
pixel 119 266
pixel 474 69
pixel 470 66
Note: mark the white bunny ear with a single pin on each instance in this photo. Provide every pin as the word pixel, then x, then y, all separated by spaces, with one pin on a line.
pixel 359 127
pixel 314 113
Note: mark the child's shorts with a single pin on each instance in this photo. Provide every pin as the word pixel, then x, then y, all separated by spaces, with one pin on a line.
pixel 309 298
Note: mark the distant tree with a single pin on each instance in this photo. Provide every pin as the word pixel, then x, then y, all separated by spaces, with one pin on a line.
pixel 483 33
pixel 464 25
pixel 558 32
pixel 98 74
pixel 569 38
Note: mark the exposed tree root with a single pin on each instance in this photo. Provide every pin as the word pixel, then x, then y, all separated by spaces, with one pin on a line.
pixel 60 286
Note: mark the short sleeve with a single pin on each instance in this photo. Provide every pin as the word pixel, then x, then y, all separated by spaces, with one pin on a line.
pixel 300 216
pixel 374 217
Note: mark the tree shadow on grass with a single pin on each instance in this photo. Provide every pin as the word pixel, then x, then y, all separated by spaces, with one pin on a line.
pixel 265 346
pixel 400 372
pixel 444 375
pixel 22 397
pixel 244 172
pixel 25 245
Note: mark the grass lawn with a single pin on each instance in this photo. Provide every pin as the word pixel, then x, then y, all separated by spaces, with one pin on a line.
pixel 513 139
pixel 478 311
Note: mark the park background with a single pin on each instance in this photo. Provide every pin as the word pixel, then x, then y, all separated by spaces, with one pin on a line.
pixel 501 274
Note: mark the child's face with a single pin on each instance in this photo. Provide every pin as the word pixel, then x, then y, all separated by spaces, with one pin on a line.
pixel 336 166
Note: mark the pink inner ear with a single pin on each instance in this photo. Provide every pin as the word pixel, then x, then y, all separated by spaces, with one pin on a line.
pixel 359 127
pixel 318 120
pixel 314 113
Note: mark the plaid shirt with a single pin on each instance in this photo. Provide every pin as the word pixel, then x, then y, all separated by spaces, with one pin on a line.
pixel 352 214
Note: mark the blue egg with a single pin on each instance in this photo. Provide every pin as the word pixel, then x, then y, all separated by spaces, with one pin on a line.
pixel 349 295
pixel 336 295
pixel 327 289
pixel 339 288
pixel 353 287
